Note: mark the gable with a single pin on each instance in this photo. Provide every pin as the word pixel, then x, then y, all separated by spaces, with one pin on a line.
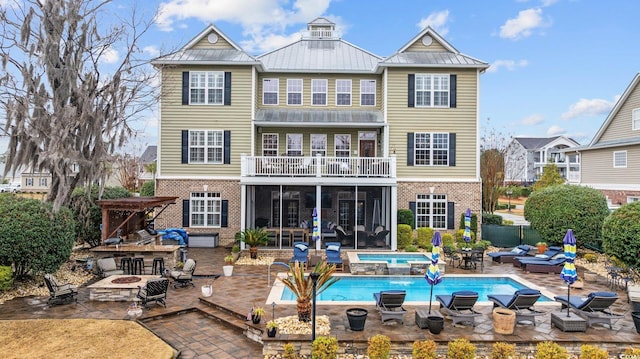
pixel 619 125
pixel 212 40
pixel 426 43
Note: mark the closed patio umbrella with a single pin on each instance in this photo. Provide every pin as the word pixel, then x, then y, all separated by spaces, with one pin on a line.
pixel 433 273
pixel 569 273
pixel 467 226
pixel 315 235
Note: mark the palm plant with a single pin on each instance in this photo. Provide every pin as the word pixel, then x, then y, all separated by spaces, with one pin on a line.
pixel 253 237
pixel 302 286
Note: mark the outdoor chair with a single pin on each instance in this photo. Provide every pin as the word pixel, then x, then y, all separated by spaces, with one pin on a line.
pixel 550 253
pixel 521 302
pixel 154 291
pixel 389 304
pixel 594 309
pixel 342 236
pixel 60 293
pixel 508 256
pixel 548 266
pixel 107 267
pixel 477 258
pixel 184 277
pixel 300 253
pixel 334 255
pixel 379 239
pixel 459 306
pixel 453 256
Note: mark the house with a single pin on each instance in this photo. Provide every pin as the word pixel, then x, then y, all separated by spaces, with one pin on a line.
pixel 319 124
pixel 610 161
pixel 526 157
pixel 148 157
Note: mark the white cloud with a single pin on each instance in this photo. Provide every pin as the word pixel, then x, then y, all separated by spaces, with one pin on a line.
pixel 437 21
pixel 152 51
pixel 110 56
pixel 522 25
pixel 588 107
pixel 532 120
pixel 555 130
pixel 510 65
pixel 263 43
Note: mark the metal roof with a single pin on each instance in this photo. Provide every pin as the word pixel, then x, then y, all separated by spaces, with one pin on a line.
pixel 206 57
pixel 433 58
pixel 282 117
pixel 534 143
pixel 316 55
pixel 149 155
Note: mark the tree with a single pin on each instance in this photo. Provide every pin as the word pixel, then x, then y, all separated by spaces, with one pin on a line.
pixel 302 286
pixel 126 172
pixel 550 177
pixel 66 102
pixel 492 174
pixel 621 234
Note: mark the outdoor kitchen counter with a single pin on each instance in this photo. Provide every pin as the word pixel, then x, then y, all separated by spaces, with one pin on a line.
pixel 170 253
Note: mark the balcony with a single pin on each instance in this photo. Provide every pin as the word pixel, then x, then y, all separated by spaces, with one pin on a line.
pixel 284 166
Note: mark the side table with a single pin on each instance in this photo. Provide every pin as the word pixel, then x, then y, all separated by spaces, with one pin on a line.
pixel 571 323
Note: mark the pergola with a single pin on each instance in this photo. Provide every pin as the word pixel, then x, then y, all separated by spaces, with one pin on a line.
pixel 137 208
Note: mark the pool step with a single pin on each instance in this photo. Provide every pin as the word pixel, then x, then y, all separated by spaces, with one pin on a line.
pixel 233 319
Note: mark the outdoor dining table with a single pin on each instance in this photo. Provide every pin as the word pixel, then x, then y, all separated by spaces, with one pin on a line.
pixel 466 258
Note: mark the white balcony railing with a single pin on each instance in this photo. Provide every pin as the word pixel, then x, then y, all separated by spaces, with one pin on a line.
pixel 265 166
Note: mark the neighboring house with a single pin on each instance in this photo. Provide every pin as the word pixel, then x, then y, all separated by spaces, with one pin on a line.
pixel 148 157
pixel 610 162
pixel 36 182
pixel 318 124
pixel 525 158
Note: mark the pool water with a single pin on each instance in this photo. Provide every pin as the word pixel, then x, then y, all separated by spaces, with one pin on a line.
pixel 361 288
pixel 394 258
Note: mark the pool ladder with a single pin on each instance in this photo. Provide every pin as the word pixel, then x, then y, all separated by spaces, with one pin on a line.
pixel 269 271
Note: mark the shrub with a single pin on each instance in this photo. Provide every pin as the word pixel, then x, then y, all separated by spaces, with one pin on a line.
pixel 555 209
pixel 411 248
pixel 424 349
pixel 550 350
pixel 501 350
pixel 147 189
pixel 379 347
pixel 447 240
pixel 36 239
pixel 424 236
pixel 405 235
pixel 405 216
pixel 632 352
pixel 461 349
pixel 474 222
pixel 460 234
pixel 591 352
pixel 324 348
pixel 590 257
pixel 525 192
pixel 88 215
pixel 6 278
pixel 507 222
pixel 289 351
pixel 490 218
pixel 621 231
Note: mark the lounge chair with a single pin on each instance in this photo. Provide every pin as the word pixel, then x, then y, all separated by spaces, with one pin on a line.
pixel 550 253
pixel 389 304
pixel 343 237
pixel 508 256
pixel 107 267
pixel 60 293
pixel 300 253
pixel 184 277
pixel 594 309
pixel 154 291
pixel 521 302
pixel 459 306
pixel 334 255
pixel 379 239
pixel 549 266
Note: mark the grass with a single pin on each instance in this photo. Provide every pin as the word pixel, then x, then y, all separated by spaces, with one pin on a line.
pixel 80 338
pixel 514 201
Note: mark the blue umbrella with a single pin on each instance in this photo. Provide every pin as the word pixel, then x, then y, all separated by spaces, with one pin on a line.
pixel 433 273
pixel 467 226
pixel 316 227
pixel 569 273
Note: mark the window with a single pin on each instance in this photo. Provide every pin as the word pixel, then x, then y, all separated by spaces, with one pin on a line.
pixel 631 199
pixel 206 209
pixel 635 119
pixel 432 90
pixel 28 182
pixel 318 144
pixel 367 92
pixel 342 145
pixel 206 87
pixel 431 211
pixel 206 146
pixel 620 159
pixel 270 91
pixel 294 91
pixel 318 92
pixel 43 182
pixel 343 92
pixel 431 149
pixel 294 144
pixel 269 144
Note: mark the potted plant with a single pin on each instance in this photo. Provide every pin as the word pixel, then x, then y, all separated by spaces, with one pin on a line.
pixel 302 286
pixel 253 237
pixel 227 269
pixel 542 247
pixel 272 327
pixel 256 314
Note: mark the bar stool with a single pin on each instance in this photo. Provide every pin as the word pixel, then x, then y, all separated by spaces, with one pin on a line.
pixel 138 265
pixel 158 266
pixel 125 265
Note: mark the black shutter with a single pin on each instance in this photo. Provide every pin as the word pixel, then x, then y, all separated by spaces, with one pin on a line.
pixel 410 149
pixel 185 213
pixel 412 207
pixel 185 146
pixel 451 219
pixel 227 147
pixel 227 88
pixel 452 149
pixel 412 90
pixel 224 217
pixel 453 89
pixel 185 88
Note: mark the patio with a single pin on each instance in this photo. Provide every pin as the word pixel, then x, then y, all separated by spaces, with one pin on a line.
pixel 212 327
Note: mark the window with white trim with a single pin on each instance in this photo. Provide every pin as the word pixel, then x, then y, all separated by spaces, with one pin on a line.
pixel 270 91
pixel 206 146
pixel 619 159
pixel 431 149
pixel 206 87
pixel 635 119
pixel 631 199
pixel 29 182
pixel 319 92
pixel 269 144
pixel 43 182
pixel 342 145
pixel 431 211
pixel 432 90
pixel 294 91
pixel 367 92
pixel 294 144
pixel 205 209
pixel 318 144
pixel 343 92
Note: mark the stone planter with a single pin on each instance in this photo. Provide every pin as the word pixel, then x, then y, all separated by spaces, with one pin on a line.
pixel 207 290
pixel 435 323
pixel 357 317
pixel 227 270
pixel 504 321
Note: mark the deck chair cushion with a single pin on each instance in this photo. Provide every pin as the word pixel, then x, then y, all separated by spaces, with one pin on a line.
pixel 301 247
pixel 333 248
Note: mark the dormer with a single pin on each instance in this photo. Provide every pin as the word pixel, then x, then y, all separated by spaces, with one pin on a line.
pixel 321 29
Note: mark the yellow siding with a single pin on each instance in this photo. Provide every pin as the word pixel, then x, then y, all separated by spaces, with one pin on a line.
pixel 177 117
pixel 460 120
pixel 597 166
pixel 306 139
pixel 621 127
pixel 419 46
pixel 220 44
pixel 331 91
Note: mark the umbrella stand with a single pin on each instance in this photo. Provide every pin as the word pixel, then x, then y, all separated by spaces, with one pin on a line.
pixel 430 298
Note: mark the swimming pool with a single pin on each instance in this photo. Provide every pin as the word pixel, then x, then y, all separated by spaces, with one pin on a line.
pixel 393 258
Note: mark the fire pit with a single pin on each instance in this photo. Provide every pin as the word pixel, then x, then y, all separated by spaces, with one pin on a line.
pixel 118 287
pixel 126 280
